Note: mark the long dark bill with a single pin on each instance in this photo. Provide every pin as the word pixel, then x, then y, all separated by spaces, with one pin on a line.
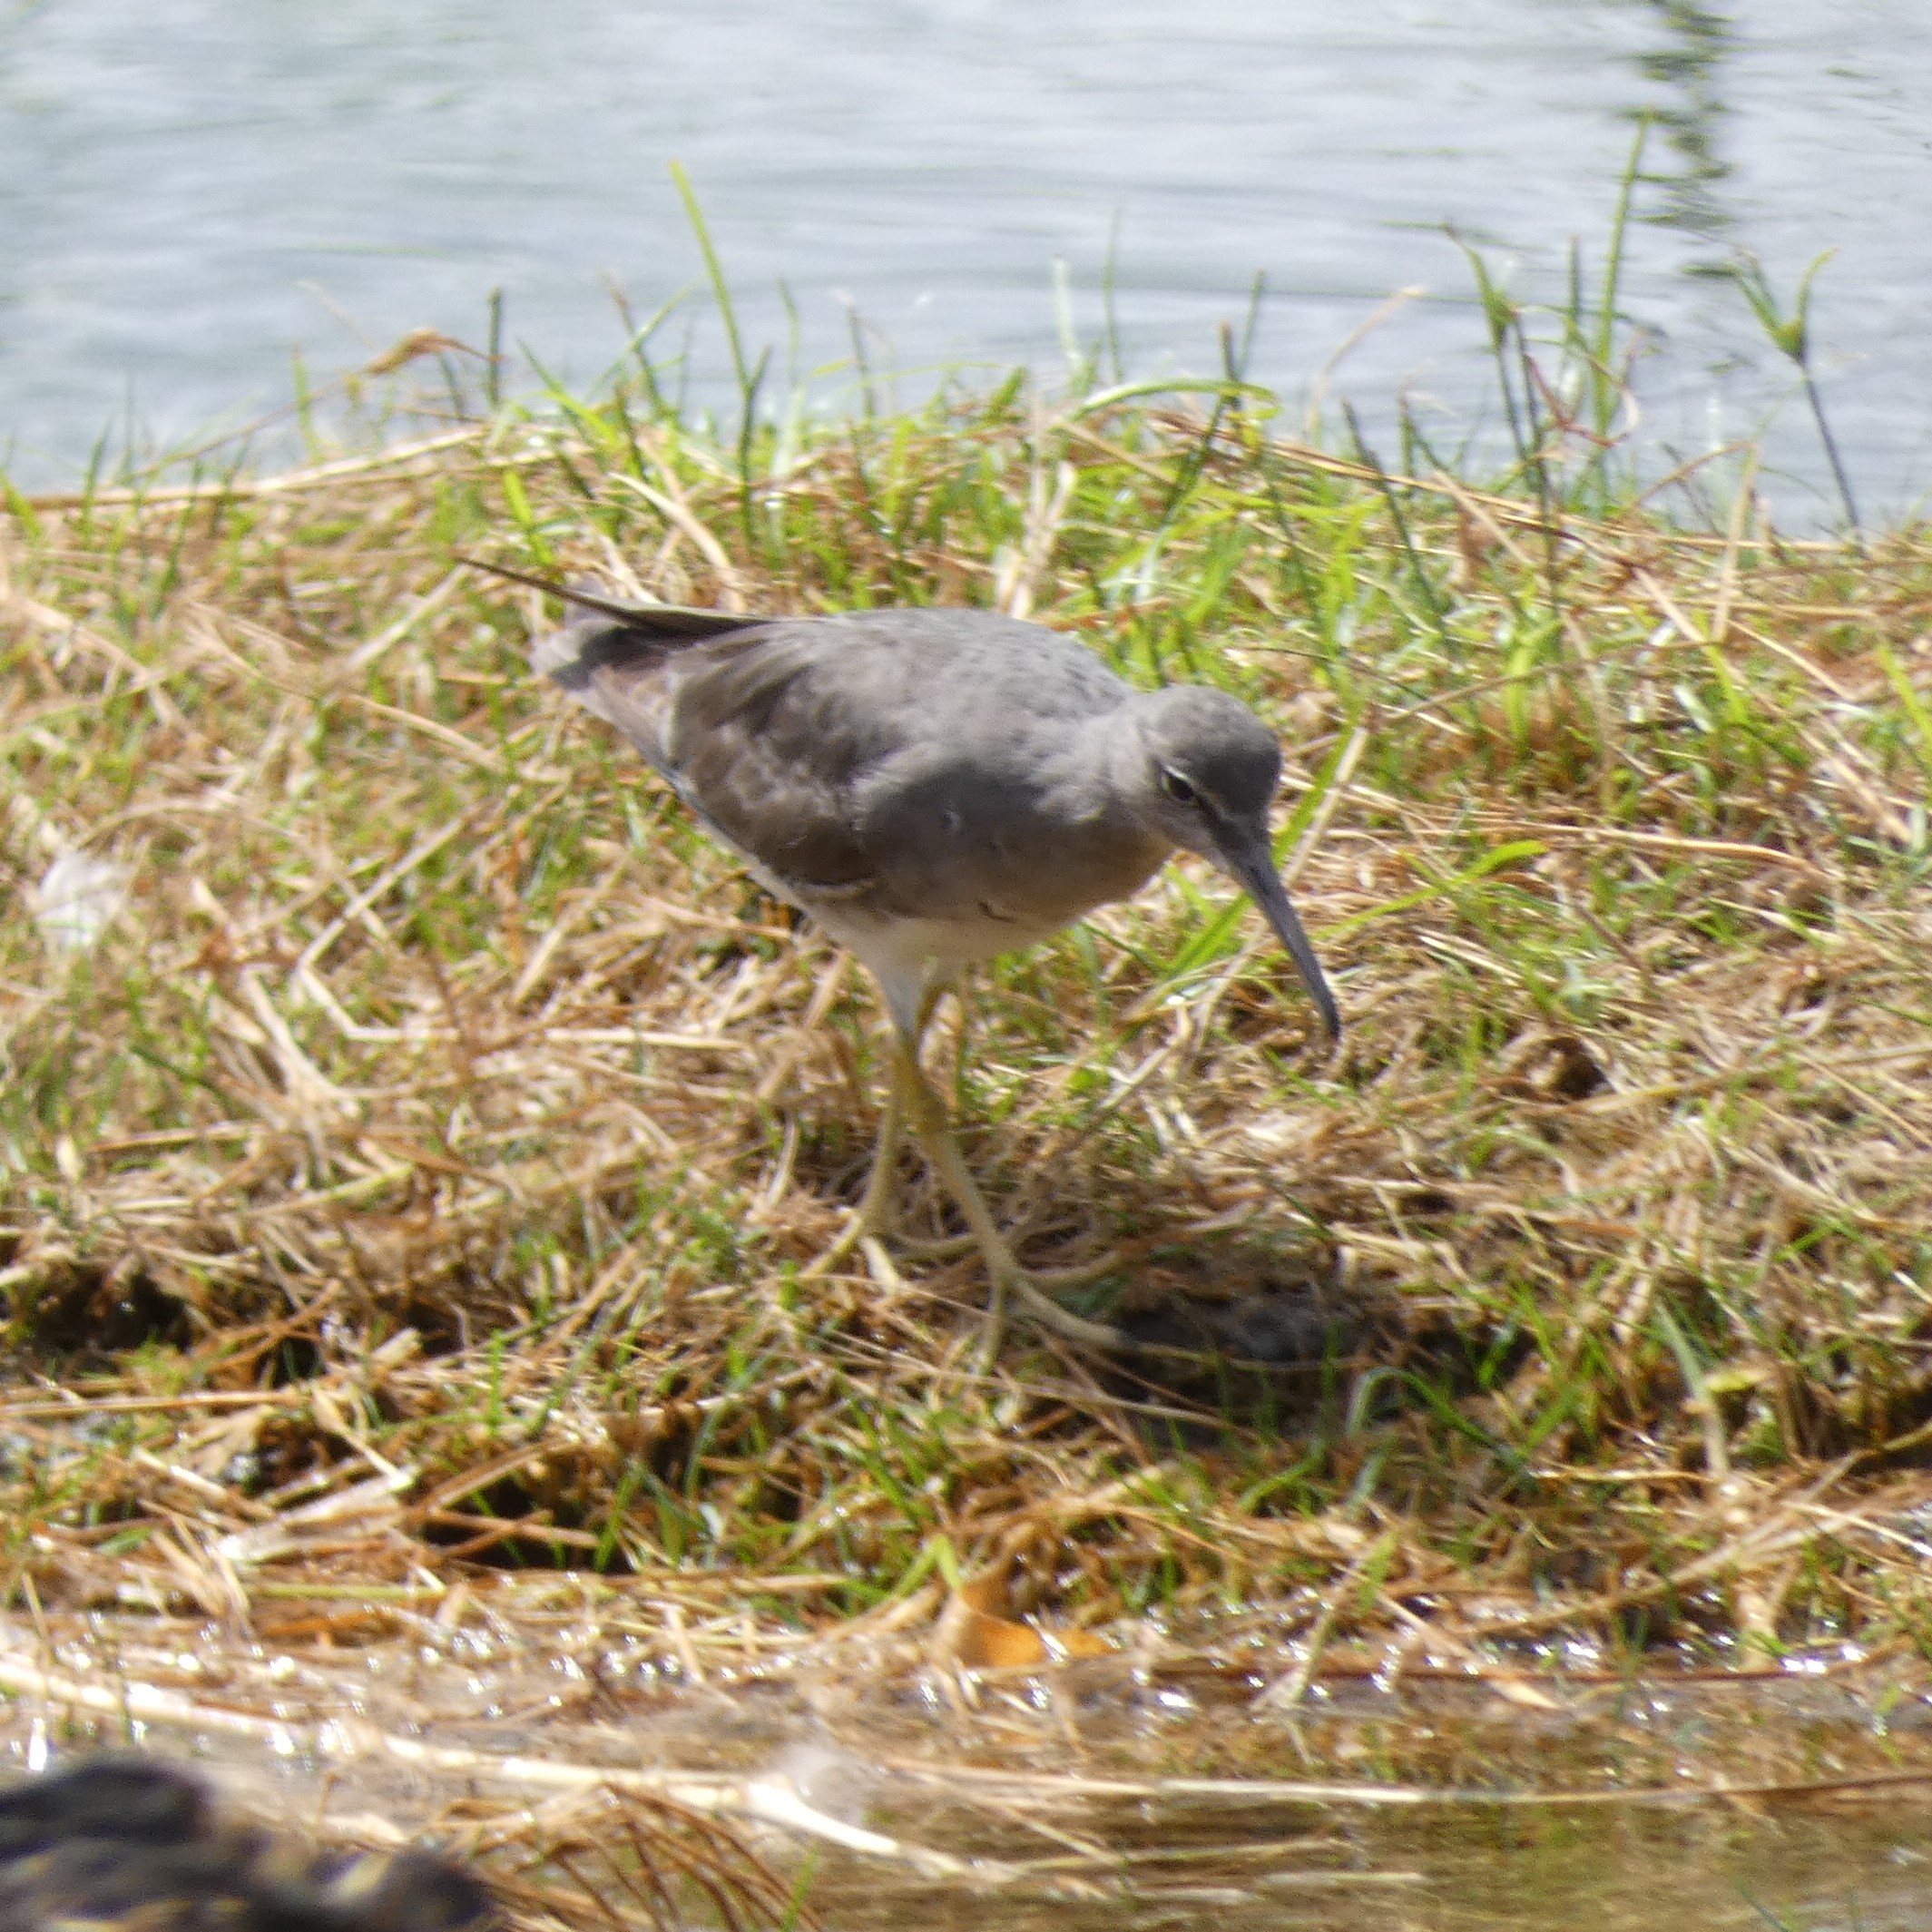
pixel 1251 864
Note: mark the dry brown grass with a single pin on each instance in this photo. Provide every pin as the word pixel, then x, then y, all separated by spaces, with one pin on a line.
pixel 407 1192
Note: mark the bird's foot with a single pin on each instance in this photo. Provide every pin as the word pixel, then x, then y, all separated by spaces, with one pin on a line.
pixel 1016 1291
pixel 1059 1280
pixel 934 1248
pixel 870 1221
pixel 1054 1280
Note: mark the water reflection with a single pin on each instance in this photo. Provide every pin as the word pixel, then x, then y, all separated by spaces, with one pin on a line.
pixel 190 191
pixel 1691 66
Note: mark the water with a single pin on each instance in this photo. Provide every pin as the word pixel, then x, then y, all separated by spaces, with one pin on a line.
pixel 1069 1786
pixel 192 189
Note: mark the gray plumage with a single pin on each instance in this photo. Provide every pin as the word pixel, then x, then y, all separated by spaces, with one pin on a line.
pixel 934 787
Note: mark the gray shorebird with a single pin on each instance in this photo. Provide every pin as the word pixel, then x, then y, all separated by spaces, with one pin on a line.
pixel 934 787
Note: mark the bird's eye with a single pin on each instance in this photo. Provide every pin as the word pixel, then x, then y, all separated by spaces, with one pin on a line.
pixel 1177 788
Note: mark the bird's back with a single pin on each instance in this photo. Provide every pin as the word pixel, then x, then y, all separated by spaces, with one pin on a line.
pixel 806 741
pixel 868 678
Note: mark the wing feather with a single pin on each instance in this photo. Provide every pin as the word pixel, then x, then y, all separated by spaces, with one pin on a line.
pixel 809 745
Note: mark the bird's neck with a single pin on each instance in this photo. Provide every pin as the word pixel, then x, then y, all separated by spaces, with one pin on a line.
pixel 1115 753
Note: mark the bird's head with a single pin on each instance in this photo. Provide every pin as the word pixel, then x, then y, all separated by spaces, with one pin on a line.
pixel 1204 771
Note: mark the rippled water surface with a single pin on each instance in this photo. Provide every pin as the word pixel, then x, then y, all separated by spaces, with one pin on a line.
pixel 1100 1798
pixel 190 189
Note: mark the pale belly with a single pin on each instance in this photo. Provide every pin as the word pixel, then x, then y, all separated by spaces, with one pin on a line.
pixel 943 942
pixel 910 955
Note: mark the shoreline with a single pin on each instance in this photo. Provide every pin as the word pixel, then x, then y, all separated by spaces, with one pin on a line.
pixel 416 1157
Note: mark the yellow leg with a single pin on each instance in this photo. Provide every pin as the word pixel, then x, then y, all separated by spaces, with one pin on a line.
pixel 913 1098
pixel 911 1102
pixel 874 1214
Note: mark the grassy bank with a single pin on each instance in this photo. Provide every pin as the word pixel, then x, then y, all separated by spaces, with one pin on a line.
pixel 406 1194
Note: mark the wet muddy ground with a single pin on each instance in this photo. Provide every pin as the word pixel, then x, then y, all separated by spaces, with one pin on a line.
pixel 1108 1793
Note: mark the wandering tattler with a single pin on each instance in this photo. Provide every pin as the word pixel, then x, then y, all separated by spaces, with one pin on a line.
pixel 934 787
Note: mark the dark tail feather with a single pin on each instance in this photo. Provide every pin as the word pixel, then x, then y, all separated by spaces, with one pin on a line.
pixel 661 620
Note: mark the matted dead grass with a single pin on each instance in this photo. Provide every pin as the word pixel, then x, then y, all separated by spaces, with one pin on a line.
pixel 406 1188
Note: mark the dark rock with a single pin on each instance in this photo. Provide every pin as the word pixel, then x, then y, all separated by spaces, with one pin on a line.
pixel 125 1844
